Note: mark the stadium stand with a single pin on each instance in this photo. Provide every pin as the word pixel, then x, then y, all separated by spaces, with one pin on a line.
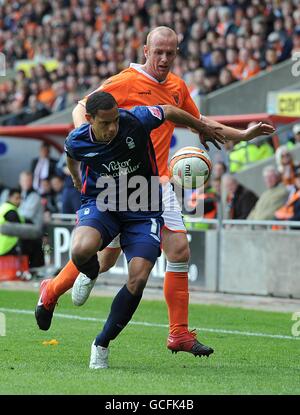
pixel 60 49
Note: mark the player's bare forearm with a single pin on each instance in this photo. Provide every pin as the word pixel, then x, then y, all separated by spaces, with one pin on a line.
pixel 232 134
pixel 179 116
pixel 78 115
pixel 74 167
pixel 206 131
pixel 235 135
pixel 210 130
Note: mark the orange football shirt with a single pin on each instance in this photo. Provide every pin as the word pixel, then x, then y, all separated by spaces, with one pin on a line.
pixel 133 87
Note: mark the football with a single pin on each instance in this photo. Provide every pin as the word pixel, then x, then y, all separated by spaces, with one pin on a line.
pixel 190 167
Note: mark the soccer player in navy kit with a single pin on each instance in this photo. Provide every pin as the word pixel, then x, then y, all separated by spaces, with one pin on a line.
pixel 112 144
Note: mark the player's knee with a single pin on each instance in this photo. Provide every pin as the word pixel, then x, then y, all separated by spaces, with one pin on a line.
pixel 80 254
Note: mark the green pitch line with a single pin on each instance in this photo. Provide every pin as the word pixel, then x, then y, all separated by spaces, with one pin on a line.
pixel 147 324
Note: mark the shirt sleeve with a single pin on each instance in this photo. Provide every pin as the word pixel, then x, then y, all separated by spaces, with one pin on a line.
pixel 188 104
pixel 150 117
pixel 71 148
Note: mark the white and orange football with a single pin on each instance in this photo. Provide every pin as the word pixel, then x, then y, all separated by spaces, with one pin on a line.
pixel 190 167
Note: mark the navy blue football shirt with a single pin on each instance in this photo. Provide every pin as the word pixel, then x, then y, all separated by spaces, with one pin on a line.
pixel 128 155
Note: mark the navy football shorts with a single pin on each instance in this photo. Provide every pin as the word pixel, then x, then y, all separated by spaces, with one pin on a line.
pixel 140 231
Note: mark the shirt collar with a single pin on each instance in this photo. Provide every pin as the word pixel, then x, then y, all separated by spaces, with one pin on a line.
pixel 138 68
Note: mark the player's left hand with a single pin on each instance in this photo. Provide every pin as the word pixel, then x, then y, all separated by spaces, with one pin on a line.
pixel 257 130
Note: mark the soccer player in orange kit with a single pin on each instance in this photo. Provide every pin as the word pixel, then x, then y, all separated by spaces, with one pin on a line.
pixel 151 84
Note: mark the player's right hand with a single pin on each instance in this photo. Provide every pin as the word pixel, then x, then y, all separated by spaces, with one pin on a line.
pixel 213 134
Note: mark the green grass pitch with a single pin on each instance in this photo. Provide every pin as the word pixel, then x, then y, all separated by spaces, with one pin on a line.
pixel 140 363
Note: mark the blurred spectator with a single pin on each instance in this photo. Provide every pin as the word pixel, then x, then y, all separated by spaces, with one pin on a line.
pixel 198 83
pixel 51 196
pixel 272 198
pixel 243 154
pixel 271 58
pixel 240 200
pixel 61 96
pixel 215 63
pixel 70 195
pixel 33 111
pixel 296 40
pixel 243 58
pixel 291 209
pixel 226 78
pixel 282 47
pixel 219 168
pixel 250 69
pixel 207 200
pixel 47 197
pixel 296 137
pixel 9 213
pixel 204 202
pixel 47 94
pixel 216 185
pixel 31 207
pixel 42 167
pixel 57 185
pixel 286 165
pixel 232 59
pixel 274 42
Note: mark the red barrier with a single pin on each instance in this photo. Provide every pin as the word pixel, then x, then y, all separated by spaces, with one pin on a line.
pixel 11 266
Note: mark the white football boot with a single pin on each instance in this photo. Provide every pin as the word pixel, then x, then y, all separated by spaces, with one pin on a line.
pixel 81 289
pixel 99 357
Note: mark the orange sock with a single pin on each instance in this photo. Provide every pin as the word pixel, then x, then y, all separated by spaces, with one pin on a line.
pixel 176 293
pixel 64 280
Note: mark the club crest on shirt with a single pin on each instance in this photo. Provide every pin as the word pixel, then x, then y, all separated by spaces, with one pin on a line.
pixel 155 112
pixel 130 143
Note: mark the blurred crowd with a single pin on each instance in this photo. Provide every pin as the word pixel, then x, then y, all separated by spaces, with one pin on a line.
pixel 221 41
pixel 46 187
pixel 279 201
pixel 42 190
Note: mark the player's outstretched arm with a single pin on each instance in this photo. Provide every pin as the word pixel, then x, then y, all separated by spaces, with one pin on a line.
pixel 236 135
pixel 206 131
pixel 78 115
pixel 204 125
pixel 74 167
